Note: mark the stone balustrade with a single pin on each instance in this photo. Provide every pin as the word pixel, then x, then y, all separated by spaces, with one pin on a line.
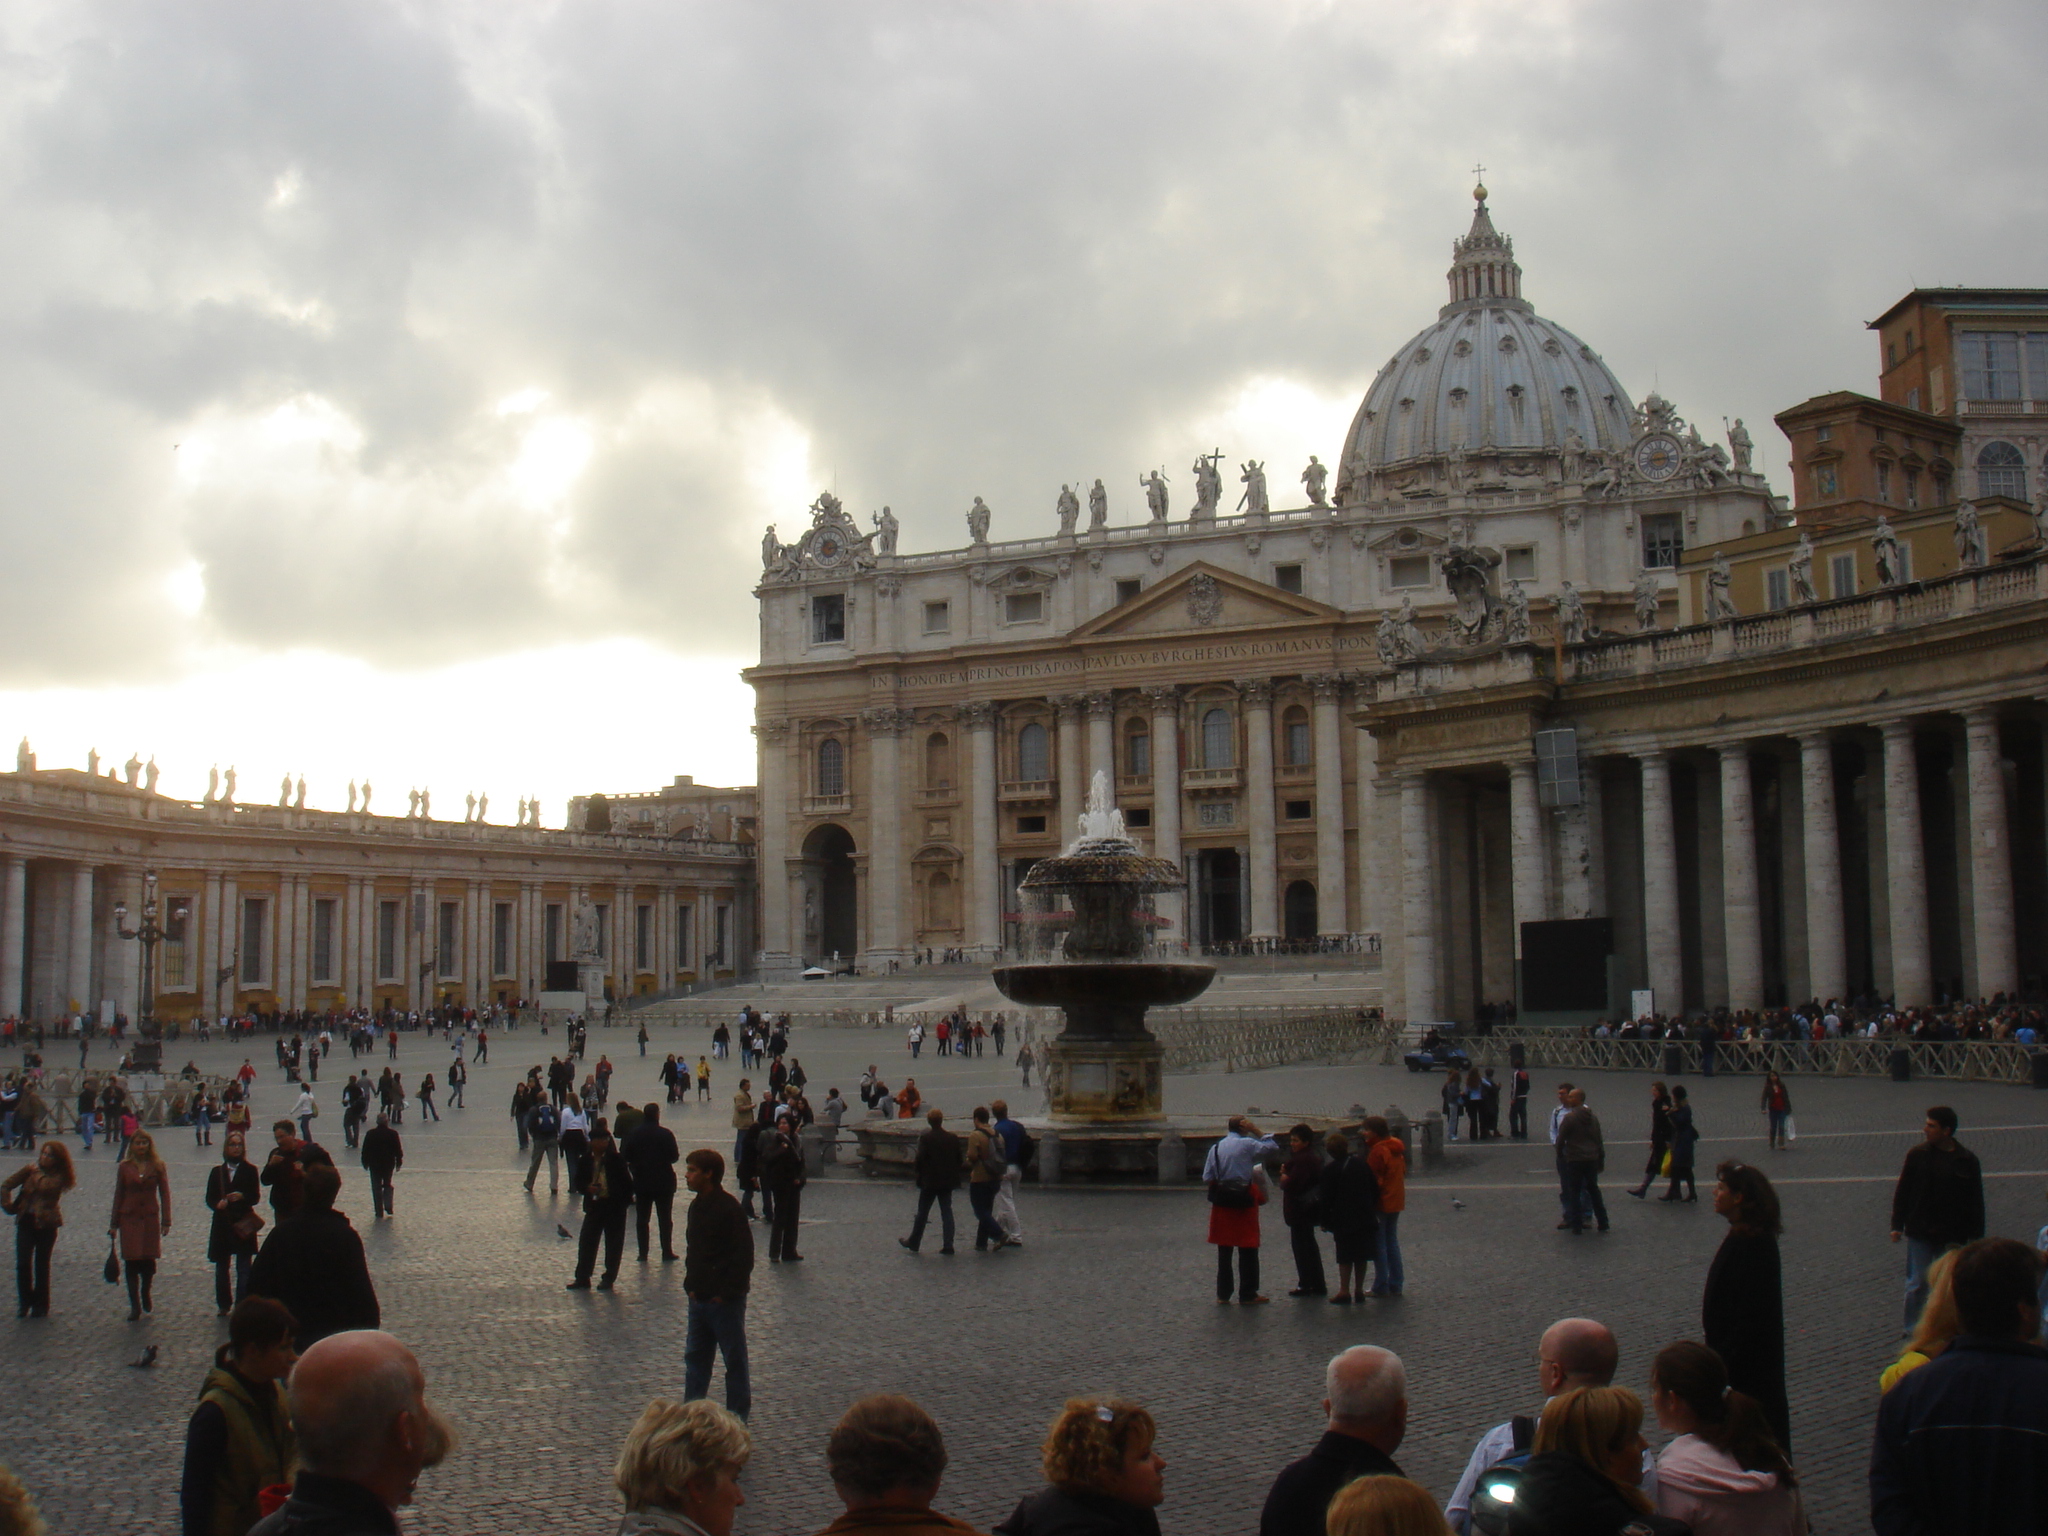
pixel 1994 1061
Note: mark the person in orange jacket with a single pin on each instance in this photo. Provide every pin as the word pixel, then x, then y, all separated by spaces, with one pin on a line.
pixel 1388 1160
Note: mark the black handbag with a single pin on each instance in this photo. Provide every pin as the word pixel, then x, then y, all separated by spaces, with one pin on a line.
pixel 1232 1194
pixel 111 1273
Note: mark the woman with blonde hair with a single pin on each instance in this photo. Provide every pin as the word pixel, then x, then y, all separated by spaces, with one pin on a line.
pixel 679 1470
pixel 141 1217
pixel 1939 1323
pixel 1583 1477
pixel 1384 1506
pixel 1104 1473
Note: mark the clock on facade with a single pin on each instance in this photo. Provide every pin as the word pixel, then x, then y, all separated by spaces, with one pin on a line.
pixel 828 546
pixel 1657 456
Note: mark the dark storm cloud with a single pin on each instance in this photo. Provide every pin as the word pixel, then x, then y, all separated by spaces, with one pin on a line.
pixel 965 250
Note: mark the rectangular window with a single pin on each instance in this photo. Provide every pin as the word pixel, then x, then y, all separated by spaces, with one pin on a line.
pixel 1299 810
pixel 1663 541
pixel 1288 578
pixel 1138 755
pixel 1912 488
pixel 682 937
pixel 1823 433
pixel 501 938
pixel 1777 589
pixel 387 940
pixel 1295 748
pixel 643 938
pixel 1030 824
pixel 1913 398
pixel 448 940
pixel 1128 589
pixel 1217 813
pixel 553 925
pixel 1842 575
pixel 1408 571
pixel 323 938
pixel 1023 607
pixel 2037 365
pixel 828 619
pixel 255 912
pixel 938 618
pixel 721 928
pixel 1138 816
pixel 1520 564
pixel 1991 364
pixel 173 966
pixel 1884 480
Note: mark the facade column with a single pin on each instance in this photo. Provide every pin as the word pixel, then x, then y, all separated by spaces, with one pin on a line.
pixel 1333 904
pixel 1741 905
pixel 1827 951
pixel 1101 741
pixel 13 932
pixel 1372 909
pixel 1660 886
pixel 78 974
pixel 1905 866
pixel 1528 863
pixel 1073 787
pixel 1165 706
pixel 888 900
pixel 776 815
pixel 984 915
pixel 1258 729
pixel 1991 911
pixel 348 943
pixel 211 1001
pixel 1418 901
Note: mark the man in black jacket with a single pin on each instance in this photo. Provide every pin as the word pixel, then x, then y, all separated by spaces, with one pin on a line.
pixel 1366 1400
pixel 651 1151
pixel 718 1268
pixel 1937 1205
pixel 782 1176
pixel 605 1181
pixel 383 1156
pixel 1958 1443
pixel 939 1159
pixel 313 1262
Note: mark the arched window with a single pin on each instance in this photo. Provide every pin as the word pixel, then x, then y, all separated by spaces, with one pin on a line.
pixel 1294 745
pixel 1217 741
pixel 2002 471
pixel 831 767
pixel 1137 750
pixel 938 761
pixel 1034 752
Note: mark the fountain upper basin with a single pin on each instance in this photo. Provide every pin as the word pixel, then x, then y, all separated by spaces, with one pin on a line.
pixel 1116 987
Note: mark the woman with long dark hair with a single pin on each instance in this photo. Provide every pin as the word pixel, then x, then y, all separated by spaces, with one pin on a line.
pixel 33 1195
pixel 1724 1474
pixel 1743 1310
pixel 1660 1137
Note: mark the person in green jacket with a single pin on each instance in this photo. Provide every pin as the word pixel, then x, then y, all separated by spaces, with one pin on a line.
pixel 240 1441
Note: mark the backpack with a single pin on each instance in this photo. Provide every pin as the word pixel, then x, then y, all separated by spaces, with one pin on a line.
pixel 995 1160
pixel 546 1123
pixel 1493 1496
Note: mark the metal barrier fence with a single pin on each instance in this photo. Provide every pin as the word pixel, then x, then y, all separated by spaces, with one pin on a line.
pixel 156 1107
pixel 1992 1061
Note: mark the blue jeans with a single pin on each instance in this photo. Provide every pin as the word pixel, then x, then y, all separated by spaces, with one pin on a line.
pixel 1391 1275
pixel 925 1197
pixel 1920 1256
pixel 718 1327
pixel 85 1125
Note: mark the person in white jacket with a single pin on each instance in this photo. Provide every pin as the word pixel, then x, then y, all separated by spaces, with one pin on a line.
pixel 304 1112
pixel 1724 1475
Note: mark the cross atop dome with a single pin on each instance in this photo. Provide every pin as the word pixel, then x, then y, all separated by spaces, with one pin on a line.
pixel 1483 269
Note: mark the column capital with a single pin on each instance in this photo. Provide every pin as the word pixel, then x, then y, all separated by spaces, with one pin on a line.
pixel 771 730
pixel 1101 704
pixel 1897 727
pixel 1163 697
pixel 1328 687
pixel 1815 741
pixel 1257 692
pixel 1658 755
pixel 1065 704
pixel 1980 717
pixel 1731 751
pixel 887 721
pixel 979 715
pixel 1522 768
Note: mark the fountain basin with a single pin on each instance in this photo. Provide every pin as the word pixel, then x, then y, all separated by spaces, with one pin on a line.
pixel 1104 1001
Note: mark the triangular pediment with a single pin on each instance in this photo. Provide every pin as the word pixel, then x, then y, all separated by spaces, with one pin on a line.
pixel 1203 597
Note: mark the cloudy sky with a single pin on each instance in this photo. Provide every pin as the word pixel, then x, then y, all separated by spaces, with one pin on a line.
pixel 400 389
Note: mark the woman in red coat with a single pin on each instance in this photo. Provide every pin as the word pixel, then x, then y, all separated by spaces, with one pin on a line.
pixel 142 1215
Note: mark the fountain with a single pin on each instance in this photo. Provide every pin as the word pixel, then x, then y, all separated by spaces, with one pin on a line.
pixel 1104 1068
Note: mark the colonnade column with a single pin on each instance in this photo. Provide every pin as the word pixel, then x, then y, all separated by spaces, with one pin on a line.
pixel 1527 861
pixel 1333 905
pixel 773 736
pixel 1101 741
pixel 13 932
pixel 78 977
pixel 1073 791
pixel 212 922
pixel 1418 901
pixel 1165 705
pixel 1990 857
pixel 1660 885
pixel 1258 792
pixel 1827 959
pixel 1905 865
pixel 1742 910
pixel 985 917
pixel 888 900
pixel 349 945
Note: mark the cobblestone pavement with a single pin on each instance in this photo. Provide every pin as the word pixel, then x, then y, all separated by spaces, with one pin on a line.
pixel 1111 1293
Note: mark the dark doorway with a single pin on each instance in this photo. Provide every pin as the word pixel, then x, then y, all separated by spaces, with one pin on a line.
pixel 1299 915
pixel 830 848
pixel 1219 873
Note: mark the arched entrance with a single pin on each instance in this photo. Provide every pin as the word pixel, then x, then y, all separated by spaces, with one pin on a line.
pixel 1218 897
pixel 1299 915
pixel 831 911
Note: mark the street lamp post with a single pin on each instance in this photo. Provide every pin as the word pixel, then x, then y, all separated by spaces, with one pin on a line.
pixel 150 934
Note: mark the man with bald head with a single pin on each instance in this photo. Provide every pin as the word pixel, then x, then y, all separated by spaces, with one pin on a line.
pixel 1365 1400
pixel 366 1432
pixel 1575 1352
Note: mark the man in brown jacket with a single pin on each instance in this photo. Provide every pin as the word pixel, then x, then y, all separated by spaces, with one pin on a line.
pixel 987 1162
pixel 886 1457
pixel 939 1155
pixel 1585 1153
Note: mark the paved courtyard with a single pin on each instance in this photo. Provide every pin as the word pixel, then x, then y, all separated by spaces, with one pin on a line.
pixel 1111 1293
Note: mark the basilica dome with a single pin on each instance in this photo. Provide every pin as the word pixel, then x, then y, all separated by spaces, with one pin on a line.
pixel 1490 376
